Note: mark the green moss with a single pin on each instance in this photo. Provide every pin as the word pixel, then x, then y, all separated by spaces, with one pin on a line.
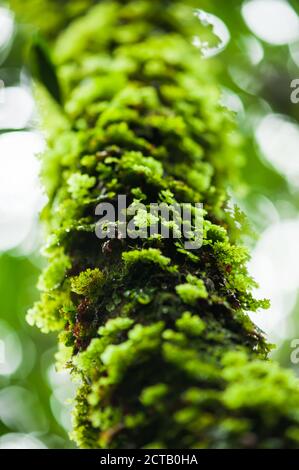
pixel 88 283
pixel 142 117
pixel 190 324
pixel 55 272
pixel 150 255
pixel 47 313
pixel 192 291
pixel 79 185
pixel 152 395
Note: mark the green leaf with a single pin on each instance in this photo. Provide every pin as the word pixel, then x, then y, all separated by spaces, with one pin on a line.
pixel 42 67
pixel 23 129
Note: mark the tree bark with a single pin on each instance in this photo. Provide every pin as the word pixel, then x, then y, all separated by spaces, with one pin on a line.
pixel 158 334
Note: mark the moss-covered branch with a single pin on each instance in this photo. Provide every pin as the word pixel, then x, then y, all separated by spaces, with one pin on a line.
pixel 158 335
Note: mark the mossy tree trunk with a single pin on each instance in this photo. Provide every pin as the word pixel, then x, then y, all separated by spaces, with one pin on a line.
pixel 157 334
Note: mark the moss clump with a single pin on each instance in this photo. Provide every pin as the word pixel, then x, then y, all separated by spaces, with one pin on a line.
pixel 158 334
pixel 150 255
pixel 193 290
pixel 88 283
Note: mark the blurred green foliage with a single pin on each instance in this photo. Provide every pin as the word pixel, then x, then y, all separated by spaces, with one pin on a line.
pixel 26 394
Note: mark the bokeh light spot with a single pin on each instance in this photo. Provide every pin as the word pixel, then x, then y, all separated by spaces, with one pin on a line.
pixel 273 21
pixel 10 350
pixel 20 191
pixel 278 139
pixel 6 26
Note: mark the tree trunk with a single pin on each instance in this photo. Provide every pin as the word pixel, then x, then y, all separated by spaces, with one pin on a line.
pixel 157 332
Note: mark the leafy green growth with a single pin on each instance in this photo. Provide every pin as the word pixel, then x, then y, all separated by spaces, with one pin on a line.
pixel 79 185
pixel 193 290
pixel 150 255
pixel 47 312
pixel 88 283
pixel 190 324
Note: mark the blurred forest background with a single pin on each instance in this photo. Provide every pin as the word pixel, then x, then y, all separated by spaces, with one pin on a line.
pixel 256 59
